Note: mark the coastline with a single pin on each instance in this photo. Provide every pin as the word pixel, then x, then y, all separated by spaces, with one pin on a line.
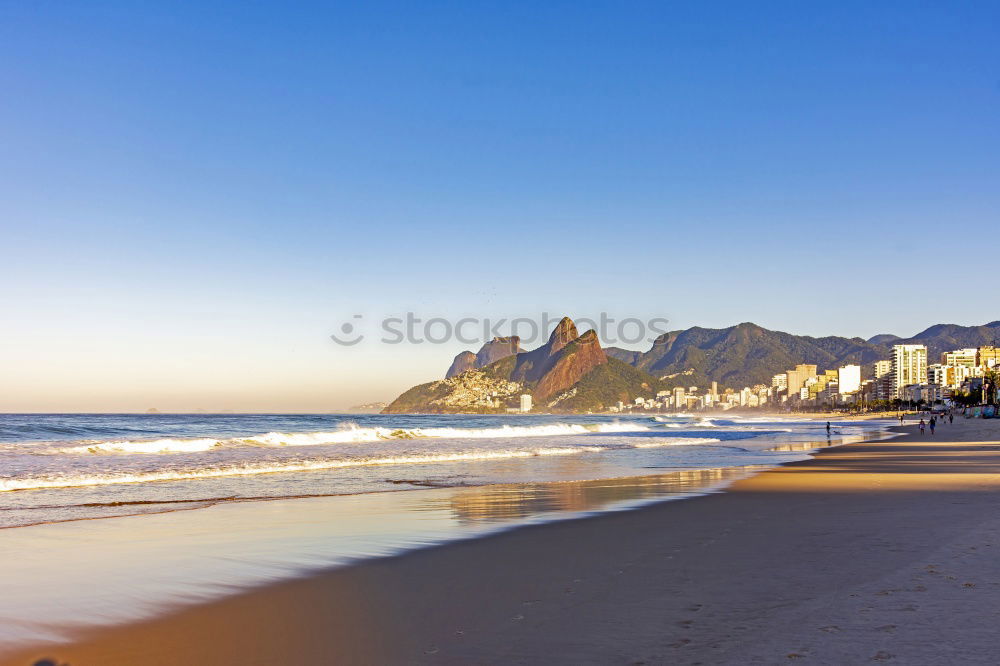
pixel 672 581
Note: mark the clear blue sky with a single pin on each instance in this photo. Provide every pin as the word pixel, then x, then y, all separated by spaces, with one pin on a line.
pixel 193 197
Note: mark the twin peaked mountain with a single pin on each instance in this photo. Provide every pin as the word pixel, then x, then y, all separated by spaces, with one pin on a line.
pixel 570 372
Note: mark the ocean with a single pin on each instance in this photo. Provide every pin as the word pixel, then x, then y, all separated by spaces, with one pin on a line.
pixel 114 517
pixel 58 467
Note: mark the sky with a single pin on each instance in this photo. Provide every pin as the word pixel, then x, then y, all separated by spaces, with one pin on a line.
pixel 194 196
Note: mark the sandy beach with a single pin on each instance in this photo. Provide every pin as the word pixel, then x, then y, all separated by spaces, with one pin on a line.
pixel 871 552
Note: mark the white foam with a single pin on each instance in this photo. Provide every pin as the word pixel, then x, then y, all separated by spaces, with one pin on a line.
pixel 150 446
pixel 388 458
pixel 348 435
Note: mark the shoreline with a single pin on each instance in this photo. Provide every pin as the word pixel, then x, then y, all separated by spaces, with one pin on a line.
pixel 401 595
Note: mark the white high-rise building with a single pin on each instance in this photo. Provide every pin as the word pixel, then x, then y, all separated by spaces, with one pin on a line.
pixel 968 358
pixel 780 381
pixel 940 374
pixel 849 378
pixel 680 401
pixel 909 366
pixel 525 402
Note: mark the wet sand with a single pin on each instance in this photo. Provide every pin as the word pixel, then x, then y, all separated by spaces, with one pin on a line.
pixel 870 552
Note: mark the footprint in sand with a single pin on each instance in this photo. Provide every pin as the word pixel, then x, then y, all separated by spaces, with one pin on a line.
pixel 882 655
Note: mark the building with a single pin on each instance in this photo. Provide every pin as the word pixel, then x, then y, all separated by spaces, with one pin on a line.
pixel 680 401
pixel 525 402
pixel 909 366
pixel 929 393
pixel 988 357
pixel 849 378
pixel 881 380
pixel 961 358
pixel 780 382
pixel 798 377
pixel 942 375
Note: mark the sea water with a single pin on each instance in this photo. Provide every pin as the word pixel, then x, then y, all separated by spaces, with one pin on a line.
pixel 115 517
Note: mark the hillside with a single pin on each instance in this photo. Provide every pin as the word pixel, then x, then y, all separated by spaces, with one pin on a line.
pixel 605 386
pixel 945 337
pixel 490 352
pixel 748 354
pixel 743 355
pixel 570 372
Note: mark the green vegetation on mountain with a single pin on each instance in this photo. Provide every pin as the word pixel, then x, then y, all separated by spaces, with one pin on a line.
pixel 418 399
pixel 748 354
pixel 572 373
pixel 604 386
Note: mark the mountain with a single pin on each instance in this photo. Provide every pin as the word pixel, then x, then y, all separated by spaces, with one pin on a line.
pixel 464 361
pixel 491 352
pixel 748 354
pixel 946 337
pixel 604 386
pixel 884 339
pixel 570 372
pixel 473 391
pixel 743 355
pixel 570 365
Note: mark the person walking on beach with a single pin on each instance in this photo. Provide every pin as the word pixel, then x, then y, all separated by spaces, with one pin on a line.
pixel 933 423
pixel 951 417
pixel 921 426
pixel 827 428
pixel 901 418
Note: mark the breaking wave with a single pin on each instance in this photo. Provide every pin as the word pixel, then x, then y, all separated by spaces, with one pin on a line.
pixel 270 467
pixel 347 435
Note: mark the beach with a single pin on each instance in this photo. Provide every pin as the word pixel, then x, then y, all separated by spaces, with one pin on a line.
pixel 874 551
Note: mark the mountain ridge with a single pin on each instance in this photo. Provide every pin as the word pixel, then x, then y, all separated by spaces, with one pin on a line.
pixel 574 373
pixel 747 354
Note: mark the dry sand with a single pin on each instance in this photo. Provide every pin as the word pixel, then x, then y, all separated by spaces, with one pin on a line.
pixel 885 551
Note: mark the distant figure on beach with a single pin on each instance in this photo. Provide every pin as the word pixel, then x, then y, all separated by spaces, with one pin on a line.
pixel 933 423
pixel 921 426
pixel 827 428
pixel 951 417
pixel 901 418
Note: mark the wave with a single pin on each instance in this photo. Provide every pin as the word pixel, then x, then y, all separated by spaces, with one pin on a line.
pixel 151 446
pixel 270 467
pixel 348 435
